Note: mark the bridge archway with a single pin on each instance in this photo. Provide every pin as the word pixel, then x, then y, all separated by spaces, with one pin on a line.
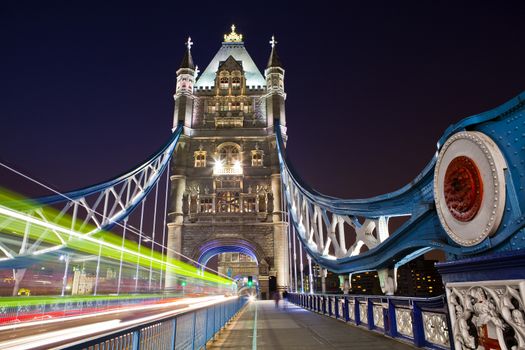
pixel 259 268
pixel 210 248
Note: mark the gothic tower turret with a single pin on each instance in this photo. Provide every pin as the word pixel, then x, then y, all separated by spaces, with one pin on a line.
pixel 225 196
pixel 275 96
pixel 184 90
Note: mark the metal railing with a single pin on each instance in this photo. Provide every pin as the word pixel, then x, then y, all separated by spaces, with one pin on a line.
pixel 190 330
pixel 424 322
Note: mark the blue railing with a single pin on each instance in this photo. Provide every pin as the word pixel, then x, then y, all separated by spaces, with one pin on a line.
pixel 422 321
pixel 190 330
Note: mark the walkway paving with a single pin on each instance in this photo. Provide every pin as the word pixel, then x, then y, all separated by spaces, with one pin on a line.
pixel 262 326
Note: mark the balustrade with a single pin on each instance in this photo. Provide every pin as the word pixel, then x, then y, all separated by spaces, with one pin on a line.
pixel 421 321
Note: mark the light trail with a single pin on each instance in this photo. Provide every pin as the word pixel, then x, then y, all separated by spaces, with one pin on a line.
pixel 130 227
pixel 55 338
pixel 184 271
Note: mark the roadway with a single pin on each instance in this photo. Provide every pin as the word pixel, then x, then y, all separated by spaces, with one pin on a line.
pixel 262 326
pixel 49 333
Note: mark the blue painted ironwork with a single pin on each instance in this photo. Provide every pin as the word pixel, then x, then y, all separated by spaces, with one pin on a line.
pixel 90 210
pixel 191 330
pixel 424 322
pixel 316 215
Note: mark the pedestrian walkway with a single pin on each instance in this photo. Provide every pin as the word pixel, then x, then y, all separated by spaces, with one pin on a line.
pixel 262 326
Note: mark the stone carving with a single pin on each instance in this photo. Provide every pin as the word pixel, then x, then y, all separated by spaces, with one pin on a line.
pixel 404 322
pixel 487 315
pixel 436 329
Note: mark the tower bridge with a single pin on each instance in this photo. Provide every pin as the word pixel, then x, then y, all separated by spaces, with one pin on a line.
pixel 223 187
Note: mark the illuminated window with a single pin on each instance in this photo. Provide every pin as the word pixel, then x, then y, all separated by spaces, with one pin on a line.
pixel 206 205
pixel 228 202
pixel 257 158
pixel 212 108
pixel 224 83
pixel 228 160
pixel 249 205
pixel 236 83
pixel 200 159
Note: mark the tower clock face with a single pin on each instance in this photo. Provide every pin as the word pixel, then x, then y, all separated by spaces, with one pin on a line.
pixel 469 187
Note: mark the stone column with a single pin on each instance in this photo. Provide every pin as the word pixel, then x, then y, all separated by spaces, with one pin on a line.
pixel 280 236
pixel 176 218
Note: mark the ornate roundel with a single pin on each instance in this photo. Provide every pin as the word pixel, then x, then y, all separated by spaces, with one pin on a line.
pixel 463 188
pixel 469 187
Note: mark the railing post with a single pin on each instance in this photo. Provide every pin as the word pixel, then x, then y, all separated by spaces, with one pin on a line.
pixel 194 326
pixel 417 325
pixel 174 335
pixel 370 314
pixel 345 309
pixel 357 315
pixel 136 340
pixel 391 312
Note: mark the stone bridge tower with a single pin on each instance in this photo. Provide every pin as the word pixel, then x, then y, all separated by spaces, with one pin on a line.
pixel 225 194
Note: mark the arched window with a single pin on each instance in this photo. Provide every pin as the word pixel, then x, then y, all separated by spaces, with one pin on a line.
pixel 257 156
pixel 236 83
pixel 224 82
pixel 228 160
pixel 200 159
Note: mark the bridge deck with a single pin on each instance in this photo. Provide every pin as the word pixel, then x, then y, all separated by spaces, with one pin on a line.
pixel 291 327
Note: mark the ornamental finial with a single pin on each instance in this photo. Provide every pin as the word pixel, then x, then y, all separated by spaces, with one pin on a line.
pixel 273 42
pixel 233 37
pixel 189 43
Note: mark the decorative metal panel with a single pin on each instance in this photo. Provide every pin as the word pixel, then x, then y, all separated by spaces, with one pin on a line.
pixel 377 311
pixel 363 312
pixel 436 329
pixel 404 322
pixel 340 306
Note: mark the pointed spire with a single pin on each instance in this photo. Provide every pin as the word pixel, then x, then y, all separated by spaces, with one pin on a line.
pixel 274 60
pixel 187 61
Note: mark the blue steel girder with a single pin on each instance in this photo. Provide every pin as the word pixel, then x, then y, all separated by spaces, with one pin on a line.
pixel 317 217
pixel 50 222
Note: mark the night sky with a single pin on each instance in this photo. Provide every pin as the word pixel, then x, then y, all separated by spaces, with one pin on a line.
pixel 86 87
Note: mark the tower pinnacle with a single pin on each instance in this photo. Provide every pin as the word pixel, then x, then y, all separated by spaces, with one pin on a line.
pixel 187 61
pixel 233 37
pixel 274 60
pixel 273 42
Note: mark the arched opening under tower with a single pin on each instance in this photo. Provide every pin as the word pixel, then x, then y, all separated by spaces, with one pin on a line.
pixel 239 260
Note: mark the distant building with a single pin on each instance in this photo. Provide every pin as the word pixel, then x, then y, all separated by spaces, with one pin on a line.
pixel 419 278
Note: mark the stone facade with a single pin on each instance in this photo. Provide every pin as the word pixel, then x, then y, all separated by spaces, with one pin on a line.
pixel 225 193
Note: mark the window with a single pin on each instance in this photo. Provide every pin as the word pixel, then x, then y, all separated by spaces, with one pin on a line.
pixel 236 83
pixel 249 205
pixel 228 202
pixel 257 157
pixel 228 160
pixel 206 205
pixel 212 108
pixel 200 159
pixel 224 83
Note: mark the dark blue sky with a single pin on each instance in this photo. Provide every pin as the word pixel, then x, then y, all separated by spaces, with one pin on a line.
pixel 86 87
